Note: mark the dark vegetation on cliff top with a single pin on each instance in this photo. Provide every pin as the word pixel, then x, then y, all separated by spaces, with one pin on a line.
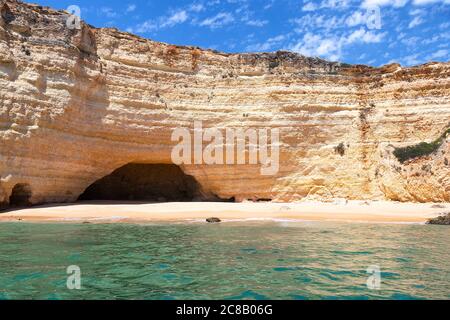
pixel 420 150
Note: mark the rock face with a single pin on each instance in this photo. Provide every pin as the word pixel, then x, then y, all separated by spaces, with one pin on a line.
pixel 76 105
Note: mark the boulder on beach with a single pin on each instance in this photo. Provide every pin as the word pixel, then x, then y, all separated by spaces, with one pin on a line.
pixel 213 220
pixel 441 220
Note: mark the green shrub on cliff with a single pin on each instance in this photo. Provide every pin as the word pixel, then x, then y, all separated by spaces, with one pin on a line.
pixel 420 150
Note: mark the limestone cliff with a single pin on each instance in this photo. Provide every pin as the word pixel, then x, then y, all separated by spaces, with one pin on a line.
pixel 75 105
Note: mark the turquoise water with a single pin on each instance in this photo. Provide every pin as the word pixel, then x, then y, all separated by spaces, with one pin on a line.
pixel 264 260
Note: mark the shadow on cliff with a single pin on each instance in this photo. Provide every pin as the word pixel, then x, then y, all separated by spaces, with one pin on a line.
pixel 152 183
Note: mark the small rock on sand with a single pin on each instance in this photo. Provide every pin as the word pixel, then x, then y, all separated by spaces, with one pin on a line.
pixel 213 220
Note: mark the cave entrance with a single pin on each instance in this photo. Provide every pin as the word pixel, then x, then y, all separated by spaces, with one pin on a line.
pixel 145 182
pixel 20 195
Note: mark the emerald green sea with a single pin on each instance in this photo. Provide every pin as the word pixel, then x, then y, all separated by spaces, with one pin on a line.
pixel 235 260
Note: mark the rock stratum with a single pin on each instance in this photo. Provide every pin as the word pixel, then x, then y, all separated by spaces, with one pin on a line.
pixel 77 104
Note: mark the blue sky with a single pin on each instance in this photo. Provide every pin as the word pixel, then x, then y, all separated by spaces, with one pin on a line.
pixel 373 32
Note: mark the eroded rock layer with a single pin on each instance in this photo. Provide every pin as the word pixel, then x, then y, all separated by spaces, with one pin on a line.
pixel 77 104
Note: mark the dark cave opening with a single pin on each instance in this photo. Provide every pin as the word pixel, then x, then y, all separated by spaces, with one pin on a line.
pixel 20 195
pixel 145 182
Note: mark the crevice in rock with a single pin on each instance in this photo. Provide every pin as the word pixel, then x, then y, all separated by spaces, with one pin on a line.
pixel 85 41
pixel 6 14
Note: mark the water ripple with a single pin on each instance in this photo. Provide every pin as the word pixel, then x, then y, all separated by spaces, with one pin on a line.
pixel 236 260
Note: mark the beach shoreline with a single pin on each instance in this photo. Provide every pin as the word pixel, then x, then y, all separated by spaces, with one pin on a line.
pixel 134 212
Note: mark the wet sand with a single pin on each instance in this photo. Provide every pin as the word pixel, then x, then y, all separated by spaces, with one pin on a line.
pixel 120 212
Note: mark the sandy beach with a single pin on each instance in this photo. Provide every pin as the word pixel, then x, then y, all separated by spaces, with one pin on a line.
pixel 113 212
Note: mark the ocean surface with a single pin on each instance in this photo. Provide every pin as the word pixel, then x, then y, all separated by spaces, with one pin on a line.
pixel 235 260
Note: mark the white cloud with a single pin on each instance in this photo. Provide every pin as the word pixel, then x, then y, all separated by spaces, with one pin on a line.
pixel 310 21
pixel 414 59
pixel 439 54
pixel 146 26
pixel 108 12
pixel 131 7
pixel 444 25
pixel 430 40
pixel 256 23
pixel 331 46
pixel 310 6
pixel 315 45
pixel 425 2
pixel 411 60
pixel 217 21
pixel 399 3
pixel 382 3
pixel 335 4
pixel 176 18
pixel 416 12
pixel 356 18
pixel 364 36
pixel 267 45
pixel 415 22
pixel 325 4
pixel 411 41
pixel 196 7
pixel 269 5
